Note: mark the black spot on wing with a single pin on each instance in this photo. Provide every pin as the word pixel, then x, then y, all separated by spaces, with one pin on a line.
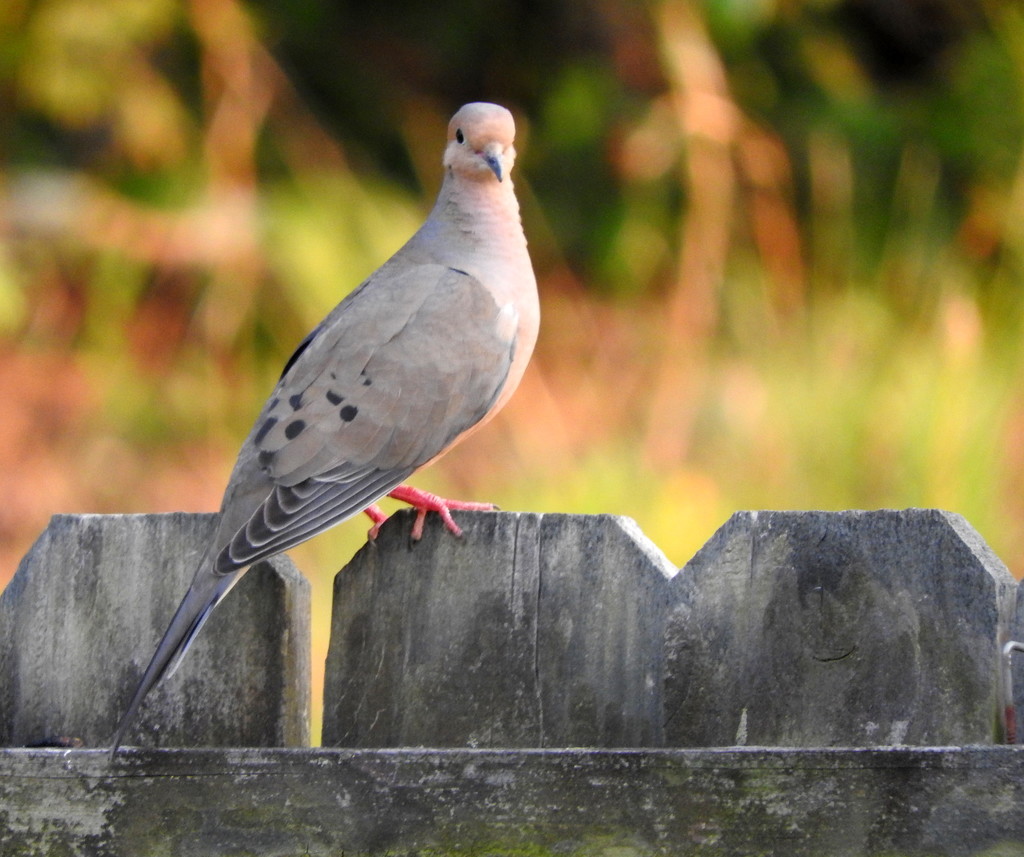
pixel 264 430
pixel 295 401
pixel 334 398
pixel 348 413
pixel 294 429
pixel 458 271
pixel 298 351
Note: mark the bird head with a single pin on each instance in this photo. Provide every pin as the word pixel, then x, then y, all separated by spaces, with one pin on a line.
pixel 480 137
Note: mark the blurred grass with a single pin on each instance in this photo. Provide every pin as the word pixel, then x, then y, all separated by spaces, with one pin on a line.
pixel 780 249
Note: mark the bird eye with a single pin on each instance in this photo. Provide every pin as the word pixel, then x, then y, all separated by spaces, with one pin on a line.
pixel 459 138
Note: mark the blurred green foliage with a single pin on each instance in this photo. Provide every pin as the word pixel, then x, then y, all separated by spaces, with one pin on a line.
pixel 779 242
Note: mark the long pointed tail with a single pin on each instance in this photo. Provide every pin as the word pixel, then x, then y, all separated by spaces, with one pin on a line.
pixel 206 591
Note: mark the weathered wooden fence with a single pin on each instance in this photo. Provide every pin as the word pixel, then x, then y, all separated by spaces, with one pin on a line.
pixel 810 683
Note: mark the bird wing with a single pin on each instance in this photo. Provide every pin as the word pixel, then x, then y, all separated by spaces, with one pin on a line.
pixel 400 369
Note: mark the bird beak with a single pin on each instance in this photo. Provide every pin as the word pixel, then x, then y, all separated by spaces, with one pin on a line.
pixel 493 160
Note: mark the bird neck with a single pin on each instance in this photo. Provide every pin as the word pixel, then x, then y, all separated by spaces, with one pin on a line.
pixel 483 211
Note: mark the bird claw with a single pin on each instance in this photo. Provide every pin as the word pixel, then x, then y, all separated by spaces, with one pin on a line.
pixel 423 502
pixel 378 516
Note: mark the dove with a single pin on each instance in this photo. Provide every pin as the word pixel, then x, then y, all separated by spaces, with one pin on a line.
pixel 422 353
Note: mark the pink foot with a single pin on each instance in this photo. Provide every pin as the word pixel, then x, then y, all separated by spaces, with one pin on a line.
pixel 376 514
pixel 423 502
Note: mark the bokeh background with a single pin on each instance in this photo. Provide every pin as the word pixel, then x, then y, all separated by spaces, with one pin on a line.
pixel 780 246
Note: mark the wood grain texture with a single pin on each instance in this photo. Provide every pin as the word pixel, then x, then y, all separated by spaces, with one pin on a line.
pixel 85 609
pixel 516 803
pixel 838 629
pixel 530 631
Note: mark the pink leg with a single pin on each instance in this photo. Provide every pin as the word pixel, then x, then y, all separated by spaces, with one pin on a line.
pixel 423 502
pixel 376 514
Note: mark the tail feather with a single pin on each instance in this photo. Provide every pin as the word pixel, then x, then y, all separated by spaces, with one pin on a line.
pixel 205 593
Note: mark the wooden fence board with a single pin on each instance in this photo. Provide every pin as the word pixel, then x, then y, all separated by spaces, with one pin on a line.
pixel 838 628
pixel 83 615
pixel 530 631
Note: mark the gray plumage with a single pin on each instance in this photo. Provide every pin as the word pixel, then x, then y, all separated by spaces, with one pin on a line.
pixel 423 352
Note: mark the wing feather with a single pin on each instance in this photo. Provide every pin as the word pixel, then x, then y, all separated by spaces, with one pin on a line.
pixel 268 532
pixel 393 376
